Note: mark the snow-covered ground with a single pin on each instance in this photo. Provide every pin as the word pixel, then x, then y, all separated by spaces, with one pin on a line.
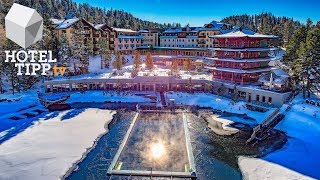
pixel 9 128
pixel 99 96
pixel 216 102
pixel 96 72
pixel 49 148
pixel 31 151
pixel 299 158
pixel 19 101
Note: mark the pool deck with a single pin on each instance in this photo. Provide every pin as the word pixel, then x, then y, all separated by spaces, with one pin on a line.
pixel 191 174
pixel 123 143
pixel 188 143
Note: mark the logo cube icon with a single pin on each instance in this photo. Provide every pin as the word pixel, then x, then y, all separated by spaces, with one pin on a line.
pixel 24 25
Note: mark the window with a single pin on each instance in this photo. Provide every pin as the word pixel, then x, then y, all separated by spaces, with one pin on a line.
pixel 263 99
pixel 257 98
pixel 64 31
pixel 270 100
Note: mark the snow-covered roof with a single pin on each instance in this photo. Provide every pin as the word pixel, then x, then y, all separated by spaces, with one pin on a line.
pixel 67 23
pixel 183 29
pixel 241 70
pixel 123 30
pixel 225 31
pixel 130 37
pixel 56 21
pixel 243 33
pixel 280 72
pixel 99 26
pixel 217 24
pixel 143 31
pixel 278 76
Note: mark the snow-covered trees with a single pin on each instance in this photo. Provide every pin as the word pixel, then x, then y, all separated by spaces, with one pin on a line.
pixel 304 55
pixel 149 61
pixel 310 55
pixel 64 51
pixel 81 49
pixel 104 52
pixel 77 48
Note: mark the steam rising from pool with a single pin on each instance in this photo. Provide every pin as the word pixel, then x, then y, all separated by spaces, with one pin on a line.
pixel 156 142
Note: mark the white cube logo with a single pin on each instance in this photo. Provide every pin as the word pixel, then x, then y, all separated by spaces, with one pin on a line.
pixel 24 25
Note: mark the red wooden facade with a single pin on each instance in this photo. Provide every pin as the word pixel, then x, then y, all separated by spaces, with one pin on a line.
pixel 236 77
pixel 241 54
pixel 233 49
pixel 240 65
pixel 243 42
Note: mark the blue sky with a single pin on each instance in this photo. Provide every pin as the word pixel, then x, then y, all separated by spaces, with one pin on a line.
pixel 200 12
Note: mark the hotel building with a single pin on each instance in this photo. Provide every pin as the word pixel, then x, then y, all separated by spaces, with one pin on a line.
pixel 127 40
pixel 150 37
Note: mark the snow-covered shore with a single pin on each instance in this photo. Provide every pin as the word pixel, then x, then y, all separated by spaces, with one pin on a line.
pixel 299 158
pixel 49 148
pixel 254 168
pixel 216 102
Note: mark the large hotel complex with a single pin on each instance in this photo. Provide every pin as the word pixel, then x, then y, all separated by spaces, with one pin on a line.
pixel 238 61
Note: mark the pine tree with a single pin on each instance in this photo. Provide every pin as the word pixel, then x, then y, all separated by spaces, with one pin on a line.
pixel 294 52
pixel 187 64
pixel 174 67
pixel 77 49
pixel 108 58
pixel 311 59
pixel 87 53
pixel 104 52
pixel 208 87
pixel 117 63
pixel 137 62
pixel 221 90
pixel 2 59
pixel 149 61
pixel 64 51
pixel 10 68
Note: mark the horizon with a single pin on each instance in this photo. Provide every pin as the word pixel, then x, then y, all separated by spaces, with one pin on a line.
pixel 199 14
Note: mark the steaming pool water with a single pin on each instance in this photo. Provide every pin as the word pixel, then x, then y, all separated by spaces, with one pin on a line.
pixel 157 142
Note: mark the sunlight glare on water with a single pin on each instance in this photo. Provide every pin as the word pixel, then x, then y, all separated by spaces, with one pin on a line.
pixel 157 150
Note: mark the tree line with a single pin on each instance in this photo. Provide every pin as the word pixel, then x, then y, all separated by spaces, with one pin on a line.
pixel 303 57
pixel 61 9
pixel 266 23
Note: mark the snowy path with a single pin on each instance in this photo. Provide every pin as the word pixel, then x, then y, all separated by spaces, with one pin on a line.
pixel 49 148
